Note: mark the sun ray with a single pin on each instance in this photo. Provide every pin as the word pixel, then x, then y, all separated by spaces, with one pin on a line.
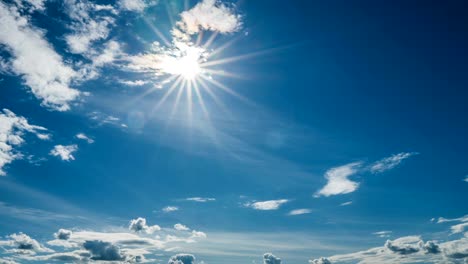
pixel 215 98
pixel 227 90
pixel 166 95
pixel 176 103
pixel 157 32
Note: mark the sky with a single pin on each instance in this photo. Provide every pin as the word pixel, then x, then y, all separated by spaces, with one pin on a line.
pixel 233 132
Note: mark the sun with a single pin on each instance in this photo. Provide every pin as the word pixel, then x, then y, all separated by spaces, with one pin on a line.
pixel 188 67
pixel 184 61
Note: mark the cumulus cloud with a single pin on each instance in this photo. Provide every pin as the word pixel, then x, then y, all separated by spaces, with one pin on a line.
pixel 23 244
pixel 84 137
pixel 267 205
pixel 182 259
pixel 458 228
pixel 391 162
pixel 321 260
pixel 63 234
pixel 139 225
pixel 338 182
pixel 32 57
pixel 101 250
pixel 12 128
pixel 181 227
pixel 169 209
pixel 410 249
pixel 200 199
pixel 64 152
pixel 269 258
pixel 300 212
pixel 209 15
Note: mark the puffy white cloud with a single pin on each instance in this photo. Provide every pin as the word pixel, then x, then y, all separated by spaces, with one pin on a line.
pixel 12 128
pixel 181 227
pixel 209 15
pixel 85 138
pixel 7 261
pixel 32 57
pixel 321 260
pixel 23 244
pixel 182 259
pixel 391 162
pixel 198 234
pixel 200 199
pixel 338 182
pixel 169 209
pixel 404 245
pixel 63 234
pixel 267 205
pixel 31 5
pixel 269 258
pixel 300 212
pixel 64 152
pixel 139 225
pixel 101 250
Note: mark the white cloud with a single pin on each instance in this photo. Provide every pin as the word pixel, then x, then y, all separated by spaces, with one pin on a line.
pixel 269 258
pixel 209 15
pixel 35 60
pixel 139 225
pixel 31 5
pixel 391 162
pixel 182 259
pixel 466 178
pixel 85 138
pixel 63 234
pixel 64 152
pixel 346 203
pixel 12 128
pixel 300 212
pixel 23 244
pixel 338 182
pixel 169 209
pixel 136 5
pixel 133 83
pixel 382 233
pixel 267 205
pixel 181 227
pixel 321 260
pixel 458 228
pixel 201 199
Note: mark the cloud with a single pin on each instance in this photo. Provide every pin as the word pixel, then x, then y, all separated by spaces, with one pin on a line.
pixel 209 15
pixel 139 225
pixel 391 162
pixel 409 249
pixel 7 261
pixel 101 250
pixel 269 258
pixel 300 212
pixel 85 138
pixel 346 203
pixel 64 152
pixel 169 209
pixel 338 182
pixel 320 261
pixel 181 227
pixel 136 5
pixel 32 57
pixel 267 205
pixel 133 83
pixel 200 199
pixel 182 259
pixel 466 178
pixel 458 228
pixel 23 244
pixel 382 233
pixel 31 5
pixel 63 234
pixel 12 128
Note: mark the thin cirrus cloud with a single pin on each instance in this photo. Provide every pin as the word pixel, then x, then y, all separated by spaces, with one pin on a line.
pixel 200 199
pixel 300 212
pixel 391 162
pixel 266 205
pixel 84 137
pixel 64 152
pixel 12 128
pixel 169 209
pixel 32 57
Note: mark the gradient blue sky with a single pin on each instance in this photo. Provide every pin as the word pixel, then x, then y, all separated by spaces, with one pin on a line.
pixel 327 128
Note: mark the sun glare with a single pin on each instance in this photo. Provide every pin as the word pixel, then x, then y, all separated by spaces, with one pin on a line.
pixel 185 62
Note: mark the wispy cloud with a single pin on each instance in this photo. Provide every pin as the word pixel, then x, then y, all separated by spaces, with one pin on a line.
pixel 136 5
pixel 169 209
pixel 181 227
pixel 458 228
pixel 84 137
pixel 382 233
pixel 338 182
pixel 300 212
pixel 267 205
pixel 391 162
pixel 64 152
pixel 346 203
pixel 200 199
pixel 33 58
pixel 12 128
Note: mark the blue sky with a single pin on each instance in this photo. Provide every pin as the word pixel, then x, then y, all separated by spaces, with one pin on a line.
pixel 143 131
